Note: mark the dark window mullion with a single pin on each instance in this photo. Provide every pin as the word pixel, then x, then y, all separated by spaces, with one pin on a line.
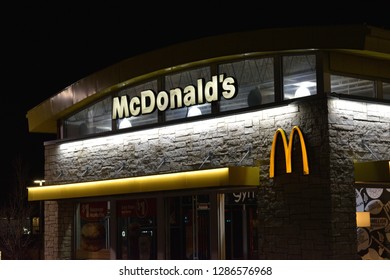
pixel 160 86
pixel 214 105
pixel 278 78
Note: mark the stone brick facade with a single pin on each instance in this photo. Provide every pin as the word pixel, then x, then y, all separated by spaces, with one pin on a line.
pixel 358 131
pixel 58 230
pixel 300 217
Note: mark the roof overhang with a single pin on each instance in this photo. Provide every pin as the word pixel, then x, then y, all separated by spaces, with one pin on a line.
pixel 218 177
pixel 358 40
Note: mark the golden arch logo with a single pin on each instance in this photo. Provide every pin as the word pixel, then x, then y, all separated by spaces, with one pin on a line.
pixel 288 150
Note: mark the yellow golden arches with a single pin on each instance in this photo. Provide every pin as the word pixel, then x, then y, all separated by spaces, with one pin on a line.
pixel 288 151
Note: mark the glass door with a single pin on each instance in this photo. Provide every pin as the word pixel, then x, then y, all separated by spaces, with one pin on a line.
pixel 241 235
pixel 188 227
pixel 137 229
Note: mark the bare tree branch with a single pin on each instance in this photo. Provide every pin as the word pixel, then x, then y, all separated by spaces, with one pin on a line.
pixel 15 217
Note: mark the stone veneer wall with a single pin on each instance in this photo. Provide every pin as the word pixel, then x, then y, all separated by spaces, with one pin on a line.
pixel 294 210
pixel 58 230
pixel 355 128
pixel 222 141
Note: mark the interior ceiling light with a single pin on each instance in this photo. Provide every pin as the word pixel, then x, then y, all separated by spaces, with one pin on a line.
pixel 301 92
pixel 303 89
pixel 194 111
pixel 125 123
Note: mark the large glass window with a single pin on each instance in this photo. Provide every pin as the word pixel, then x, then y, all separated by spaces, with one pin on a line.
pixel 386 91
pixel 141 119
pixel 299 76
pixel 94 119
pixel 92 230
pixel 178 83
pixel 352 86
pixel 183 95
pixel 255 80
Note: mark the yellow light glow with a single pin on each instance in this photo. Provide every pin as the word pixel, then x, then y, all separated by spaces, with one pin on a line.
pixel 288 151
pixel 35 222
pixel 228 176
pixel 363 219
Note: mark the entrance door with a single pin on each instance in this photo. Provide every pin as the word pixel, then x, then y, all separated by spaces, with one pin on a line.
pixel 137 229
pixel 188 229
pixel 240 225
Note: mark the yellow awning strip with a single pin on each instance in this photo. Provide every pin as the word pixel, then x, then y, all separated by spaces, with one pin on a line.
pixel 219 177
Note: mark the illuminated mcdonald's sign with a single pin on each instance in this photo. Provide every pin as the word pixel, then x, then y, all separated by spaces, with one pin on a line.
pixel 288 150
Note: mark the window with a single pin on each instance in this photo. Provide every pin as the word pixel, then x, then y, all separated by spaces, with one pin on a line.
pixel 255 80
pixel 299 76
pixel 92 230
pixel 92 120
pixel 179 82
pixel 352 86
pixel 179 96
pixel 141 119
pixel 386 91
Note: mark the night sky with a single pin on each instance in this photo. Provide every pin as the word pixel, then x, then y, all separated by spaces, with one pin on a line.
pixel 47 49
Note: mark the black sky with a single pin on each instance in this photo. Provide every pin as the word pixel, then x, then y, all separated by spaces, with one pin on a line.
pixel 45 49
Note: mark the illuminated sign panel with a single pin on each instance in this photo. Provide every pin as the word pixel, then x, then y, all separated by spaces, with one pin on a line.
pixel 288 151
pixel 149 101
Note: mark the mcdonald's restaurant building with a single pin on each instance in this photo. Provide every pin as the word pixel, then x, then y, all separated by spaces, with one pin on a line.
pixel 266 144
